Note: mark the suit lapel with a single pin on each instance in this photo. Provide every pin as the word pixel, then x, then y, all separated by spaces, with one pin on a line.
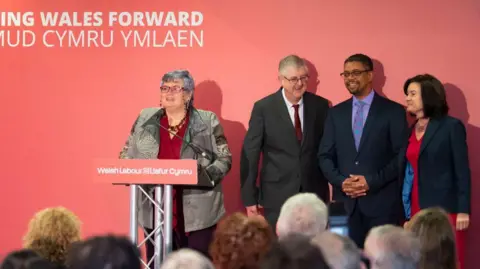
pixel 282 110
pixel 149 138
pixel 195 127
pixel 432 128
pixel 370 123
pixel 348 120
pixel 308 117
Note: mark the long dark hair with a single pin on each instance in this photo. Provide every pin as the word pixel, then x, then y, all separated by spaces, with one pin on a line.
pixel 433 94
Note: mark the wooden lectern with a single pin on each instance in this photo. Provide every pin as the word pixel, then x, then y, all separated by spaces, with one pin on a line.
pixel 140 174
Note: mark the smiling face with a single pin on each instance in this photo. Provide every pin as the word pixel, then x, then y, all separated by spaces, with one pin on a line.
pixel 294 82
pixel 173 95
pixel 414 99
pixel 357 78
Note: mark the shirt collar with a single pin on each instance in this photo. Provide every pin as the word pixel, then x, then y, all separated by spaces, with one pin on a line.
pixel 367 100
pixel 300 103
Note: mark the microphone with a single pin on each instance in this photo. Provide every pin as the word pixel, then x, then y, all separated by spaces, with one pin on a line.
pixel 198 150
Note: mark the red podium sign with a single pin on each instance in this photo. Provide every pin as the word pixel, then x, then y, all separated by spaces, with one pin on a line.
pixel 151 171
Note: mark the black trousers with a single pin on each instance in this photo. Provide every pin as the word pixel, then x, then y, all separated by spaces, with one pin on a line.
pixel 197 240
pixel 271 215
pixel 360 224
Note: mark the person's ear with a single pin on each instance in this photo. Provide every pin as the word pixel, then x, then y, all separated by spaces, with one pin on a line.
pixel 370 75
pixel 187 97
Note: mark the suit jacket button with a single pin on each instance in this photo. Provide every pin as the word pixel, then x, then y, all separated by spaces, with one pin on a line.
pixel 356 163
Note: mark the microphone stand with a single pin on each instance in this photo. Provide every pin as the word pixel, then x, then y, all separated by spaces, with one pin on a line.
pixel 198 151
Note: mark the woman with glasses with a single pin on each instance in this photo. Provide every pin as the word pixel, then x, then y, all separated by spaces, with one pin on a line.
pixel 434 162
pixel 178 130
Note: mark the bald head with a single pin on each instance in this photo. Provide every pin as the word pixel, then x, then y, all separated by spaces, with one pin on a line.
pixel 340 252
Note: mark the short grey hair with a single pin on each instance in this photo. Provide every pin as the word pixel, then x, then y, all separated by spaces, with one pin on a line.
pixel 291 60
pixel 340 251
pixel 186 259
pixel 400 249
pixel 303 213
pixel 184 75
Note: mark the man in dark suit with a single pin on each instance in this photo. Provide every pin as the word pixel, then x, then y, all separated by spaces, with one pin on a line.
pixel 285 127
pixel 359 151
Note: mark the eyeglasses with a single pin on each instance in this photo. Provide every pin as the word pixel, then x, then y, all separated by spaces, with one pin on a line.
pixel 295 80
pixel 173 89
pixel 354 73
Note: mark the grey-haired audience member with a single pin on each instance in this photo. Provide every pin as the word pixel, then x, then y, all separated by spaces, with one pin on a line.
pixel 340 251
pixel 303 213
pixel 187 259
pixel 392 247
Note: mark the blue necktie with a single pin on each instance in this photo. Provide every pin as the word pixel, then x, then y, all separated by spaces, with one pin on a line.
pixel 358 123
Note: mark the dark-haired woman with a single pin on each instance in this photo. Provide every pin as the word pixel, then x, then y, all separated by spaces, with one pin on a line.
pixel 434 163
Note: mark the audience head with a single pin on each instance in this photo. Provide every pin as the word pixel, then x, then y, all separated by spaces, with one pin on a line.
pixel 294 251
pixel 112 252
pixel 392 247
pixel 186 259
pixel 303 213
pixel 240 242
pixel 51 232
pixel 339 251
pixel 25 259
pixel 293 76
pixel 425 96
pixel 437 237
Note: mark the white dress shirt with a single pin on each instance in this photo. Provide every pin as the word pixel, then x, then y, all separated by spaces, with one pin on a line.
pixel 291 110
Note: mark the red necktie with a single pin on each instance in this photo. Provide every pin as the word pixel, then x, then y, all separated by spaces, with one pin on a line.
pixel 298 124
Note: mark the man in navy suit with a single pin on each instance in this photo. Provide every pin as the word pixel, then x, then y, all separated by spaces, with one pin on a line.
pixel 359 151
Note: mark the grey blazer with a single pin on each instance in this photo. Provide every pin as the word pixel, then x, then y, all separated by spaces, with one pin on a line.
pixel 201 208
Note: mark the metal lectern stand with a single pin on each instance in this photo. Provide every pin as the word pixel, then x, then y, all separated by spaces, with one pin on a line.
pixel 161 176
pixel 162 230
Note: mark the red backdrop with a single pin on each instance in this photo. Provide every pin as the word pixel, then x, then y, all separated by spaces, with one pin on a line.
pixel 62 107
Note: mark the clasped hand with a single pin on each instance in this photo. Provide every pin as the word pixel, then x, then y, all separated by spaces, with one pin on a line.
pixel 355 186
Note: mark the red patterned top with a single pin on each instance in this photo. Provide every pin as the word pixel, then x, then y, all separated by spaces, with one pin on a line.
pixel 170 149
